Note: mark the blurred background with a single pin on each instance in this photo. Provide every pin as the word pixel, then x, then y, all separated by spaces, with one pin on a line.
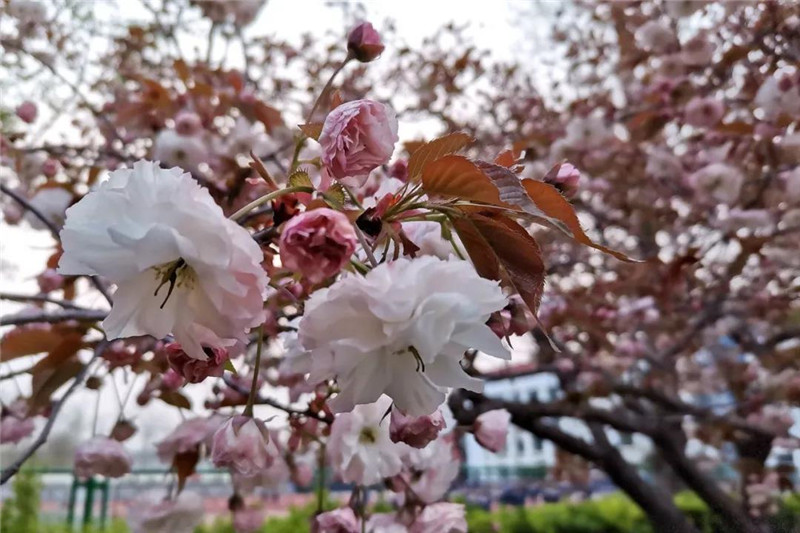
pixel 677 378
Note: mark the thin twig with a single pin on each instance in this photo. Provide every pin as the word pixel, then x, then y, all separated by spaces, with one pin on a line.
pixel 11 470
pixel 53 317
pixel 53 230
pixel 66 304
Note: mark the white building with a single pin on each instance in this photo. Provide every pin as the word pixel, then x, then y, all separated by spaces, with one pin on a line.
pixel 525 455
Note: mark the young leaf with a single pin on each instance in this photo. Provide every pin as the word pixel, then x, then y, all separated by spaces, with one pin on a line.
pixel 433 150
pixel 300 178
pixel 457 177
pixel 21 341
pixel 268 116
pixel 558 211
pixel 312 131
pixel 517 253
pixel 46 382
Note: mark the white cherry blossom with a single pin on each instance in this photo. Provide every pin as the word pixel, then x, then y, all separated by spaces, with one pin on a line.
pixel 401 330
pixel 180 266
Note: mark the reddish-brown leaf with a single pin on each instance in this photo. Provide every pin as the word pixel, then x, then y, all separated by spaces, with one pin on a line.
pixel 312 131
pixel 558 211
pixel 184 465
pixel 456 176
pixel 736 128
pixel 45 383
pixel 267 115
pixel 336 99
pixel 175 398
pixel 24 341
pixel 437 148
pixel 182 70
pixel 479 251
pixel 68 346
pixel 506 158
pixel 518 254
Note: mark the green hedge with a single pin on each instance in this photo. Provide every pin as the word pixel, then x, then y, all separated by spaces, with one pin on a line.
pixel 614 513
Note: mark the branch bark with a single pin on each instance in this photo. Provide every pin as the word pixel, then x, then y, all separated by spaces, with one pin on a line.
pixel 11 470
pixel 662 512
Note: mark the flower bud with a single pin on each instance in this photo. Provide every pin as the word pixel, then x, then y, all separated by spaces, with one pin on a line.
pixel 364 43
pixel 188 123
pixel 195 370
pixel 317 243
pixel 491 429
pixel 102 456
pixel 27 111
pixel 241 444
pixel 416 431
pixel 566 179
pixel 50 280
pixel 342 520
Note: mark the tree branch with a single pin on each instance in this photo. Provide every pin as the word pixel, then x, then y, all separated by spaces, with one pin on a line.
pixel 54 231
pixel 82 315
pixel 11 470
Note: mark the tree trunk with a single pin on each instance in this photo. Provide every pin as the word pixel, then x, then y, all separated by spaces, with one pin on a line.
pixel 728 509
pixel 659 507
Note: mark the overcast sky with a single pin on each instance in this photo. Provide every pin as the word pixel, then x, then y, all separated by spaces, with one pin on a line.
pixel 23 250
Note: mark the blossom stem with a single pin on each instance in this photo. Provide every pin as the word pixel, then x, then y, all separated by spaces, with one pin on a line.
pixel 248 410
pixel 321 485
pixel 268 198
pixel 366 246
pixel 327 87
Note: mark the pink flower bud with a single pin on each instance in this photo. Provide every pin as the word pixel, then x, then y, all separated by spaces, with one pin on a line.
pixel 417 431
pixel 317 243
pixel 566 179
pixel 356 138
pixel 399 170
pixel 14 429
pixel 441 517
pixel 703 112
pixel 50 280
pixel 241 444
pixel 188 123
pixel 50 167
pixel 248 520
pixel 302 475
pixel 491 429
pixel 341 520
pixel 102 456
pixel 195 370
pixel 27 111
pixel 172 380
pixel 364 43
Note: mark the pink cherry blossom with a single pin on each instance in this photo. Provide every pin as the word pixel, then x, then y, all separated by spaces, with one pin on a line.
pixel 102 456
pixel 440 518
pixel 195 370
pixel 241 444
pixel 27 111
pixel 50 167
pixel 188 123
pixel 704 112
pixel 491 429
pixel 50 280
pixel 14 429
pixel 364 43
pixel 416 431
pixel 357 137
pixel 188 437
pixel 317 243
pixel 248 520
pixel 566 180
pixel 341 520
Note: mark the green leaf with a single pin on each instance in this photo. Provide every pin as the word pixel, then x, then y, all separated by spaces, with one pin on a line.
pixel 300 178
pixel 229 367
